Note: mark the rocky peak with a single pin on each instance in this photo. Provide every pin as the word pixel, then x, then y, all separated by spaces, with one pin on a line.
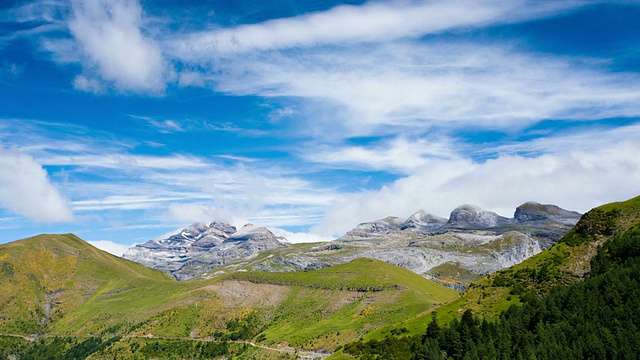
pixel 199 247
pixel 250 232
pixel 472 217
pixel 535 212
pixel 422 220
pixel 376 228
pixel 190 233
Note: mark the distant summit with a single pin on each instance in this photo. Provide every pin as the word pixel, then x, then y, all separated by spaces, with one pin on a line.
pixel 199 247
pixel 532 212
pixel 470 243
pixel 470 217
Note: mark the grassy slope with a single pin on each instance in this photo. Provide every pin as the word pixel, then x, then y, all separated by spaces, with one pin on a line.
pixel 330 307
pixel 59 284
pixel 46 277
pixel 564 263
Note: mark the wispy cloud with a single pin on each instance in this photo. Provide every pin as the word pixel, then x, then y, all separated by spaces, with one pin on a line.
pixel 398 155
pixel 420 85
pixel 371 22
pixel 10 69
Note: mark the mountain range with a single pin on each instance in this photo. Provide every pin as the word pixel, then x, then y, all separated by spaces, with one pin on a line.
pixel 63 298
pixel 203 247
pixel 455 251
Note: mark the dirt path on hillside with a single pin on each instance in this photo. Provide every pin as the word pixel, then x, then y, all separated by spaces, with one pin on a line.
pixel 302 354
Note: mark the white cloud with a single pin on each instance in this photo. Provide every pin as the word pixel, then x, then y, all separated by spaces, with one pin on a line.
pixel 299 237
pixel 26 190
pixel 371 22
pixel 400 155
pixel 575 179
pixel 191 213
pixel 84 83
pixel 425 84
pixel 109 35
pixel 110 246
pixel 191 78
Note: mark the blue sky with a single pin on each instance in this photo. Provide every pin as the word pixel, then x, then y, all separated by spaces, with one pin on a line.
pixel 123 120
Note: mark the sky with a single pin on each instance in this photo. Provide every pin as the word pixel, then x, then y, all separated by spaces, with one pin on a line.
pixel 125 120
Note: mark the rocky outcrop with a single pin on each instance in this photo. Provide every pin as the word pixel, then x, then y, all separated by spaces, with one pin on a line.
pixel 422 220
pixel 470 217
pixel 199 248
pixel 455 251
pixel 534 212
pixel 374 229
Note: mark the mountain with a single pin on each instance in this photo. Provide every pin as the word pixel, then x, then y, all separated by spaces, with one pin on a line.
pixel 79 302
pixel 46 277
pixel 455 251
pixel 63 298
pixel 575 300
pixel 567 262
pixel 199 248
pixel 470 217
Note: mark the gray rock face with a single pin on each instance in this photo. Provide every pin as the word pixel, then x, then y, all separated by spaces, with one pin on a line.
pixel 375 228
pixel 470 217
pixel 199 248
pixel 534 212
pixel 422 220
pixel 454 252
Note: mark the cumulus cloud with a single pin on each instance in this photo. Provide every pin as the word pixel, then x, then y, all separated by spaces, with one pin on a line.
pixel 576 179
pixel 115 48
pixel 26 190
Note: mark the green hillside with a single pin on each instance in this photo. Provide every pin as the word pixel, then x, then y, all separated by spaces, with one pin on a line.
pixel 565 263
pixel 606 232
pixel 77 299
pixel 46 277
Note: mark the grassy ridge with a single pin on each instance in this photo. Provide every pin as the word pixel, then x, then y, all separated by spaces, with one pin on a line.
pixel 332 306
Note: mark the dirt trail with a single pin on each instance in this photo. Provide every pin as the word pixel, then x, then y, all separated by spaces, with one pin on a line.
pixel 302 354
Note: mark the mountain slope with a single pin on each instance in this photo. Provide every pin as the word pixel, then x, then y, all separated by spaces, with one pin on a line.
pixel 593 318
pixel 45 277
pixel 59 285
pixel 567 262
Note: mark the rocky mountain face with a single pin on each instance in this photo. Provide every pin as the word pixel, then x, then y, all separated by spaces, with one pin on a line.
pixel 199 248
pixel 455 251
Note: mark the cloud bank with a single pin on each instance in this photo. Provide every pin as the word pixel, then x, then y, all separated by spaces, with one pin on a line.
pixel 575 179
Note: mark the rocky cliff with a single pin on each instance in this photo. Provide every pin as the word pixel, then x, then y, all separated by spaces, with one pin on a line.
pixel 455 251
